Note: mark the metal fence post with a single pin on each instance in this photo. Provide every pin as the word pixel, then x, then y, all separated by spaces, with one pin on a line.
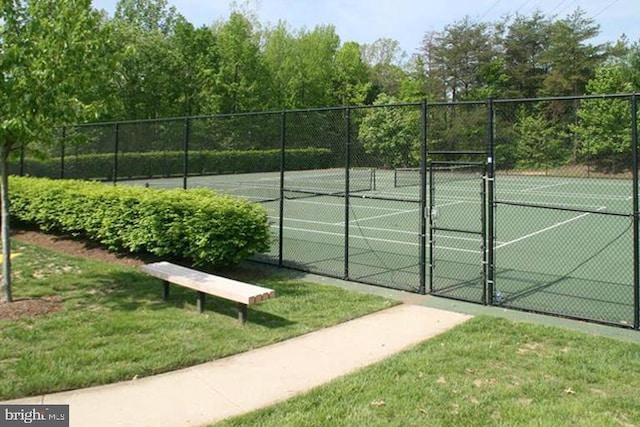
pixel 116 145
pixel 423 199
pixel 346 192
pixel 636 227
pixel 62 147
pixel 490 205
pixel 185 160
pixel 283 127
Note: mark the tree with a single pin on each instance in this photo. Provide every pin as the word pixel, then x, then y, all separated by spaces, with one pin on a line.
pixel 525 43
pixel 385 58
pixel 313 58
pixel 392 133
pixel 571 59
pixel 195 62
pixel 278 59
pixel 539 142
pixel 604 126
pixel 49 51
pixel 148 15
pixel 241 77
pixel 457 55
pixel 351 85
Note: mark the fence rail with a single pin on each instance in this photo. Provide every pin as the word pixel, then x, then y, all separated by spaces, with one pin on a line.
pixel 530 204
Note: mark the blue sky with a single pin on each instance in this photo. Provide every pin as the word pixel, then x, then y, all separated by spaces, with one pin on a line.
pixel 365 21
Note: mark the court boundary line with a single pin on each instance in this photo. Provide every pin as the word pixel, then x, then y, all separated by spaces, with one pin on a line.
pixel 377 239
pixel 551 227
pixel 364 227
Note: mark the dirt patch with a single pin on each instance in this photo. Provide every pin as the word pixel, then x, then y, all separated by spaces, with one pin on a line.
pixel 77 247
pixel 30 307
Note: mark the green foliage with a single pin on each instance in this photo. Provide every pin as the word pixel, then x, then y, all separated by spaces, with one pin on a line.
pixel 50 51
pixel 525 44
pixel 171 163
pixel 539 141
pixel 240 80
pixel 573 60
pixel 197 225
pixel 392 134
pixel 604 126
pixel 351 85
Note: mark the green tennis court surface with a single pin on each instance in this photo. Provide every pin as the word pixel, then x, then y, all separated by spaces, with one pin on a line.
pixel 574 256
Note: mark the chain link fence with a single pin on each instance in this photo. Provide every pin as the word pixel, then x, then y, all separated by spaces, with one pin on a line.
pixel 530 204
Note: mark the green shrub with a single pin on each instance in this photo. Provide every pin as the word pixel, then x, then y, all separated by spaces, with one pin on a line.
pixel 171 163
pixel 197 225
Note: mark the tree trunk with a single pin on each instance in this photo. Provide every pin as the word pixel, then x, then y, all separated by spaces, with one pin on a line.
pixel 6 244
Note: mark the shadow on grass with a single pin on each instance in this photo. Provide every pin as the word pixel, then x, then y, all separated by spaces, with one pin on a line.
pixel 132 291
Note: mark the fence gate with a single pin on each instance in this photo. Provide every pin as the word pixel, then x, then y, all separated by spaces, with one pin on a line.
pixel 457 217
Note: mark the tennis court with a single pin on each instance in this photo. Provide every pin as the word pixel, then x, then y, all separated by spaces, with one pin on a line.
pixel 559 244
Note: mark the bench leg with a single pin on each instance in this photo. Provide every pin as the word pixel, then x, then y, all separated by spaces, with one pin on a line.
pixel 201 301
pixel 242 313
pixel 165 291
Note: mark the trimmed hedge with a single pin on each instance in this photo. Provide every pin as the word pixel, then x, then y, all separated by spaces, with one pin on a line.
pixel 196 225
pixel 171 163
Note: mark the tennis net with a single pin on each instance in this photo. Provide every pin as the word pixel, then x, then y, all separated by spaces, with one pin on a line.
pixel 409 177
pixel 296 184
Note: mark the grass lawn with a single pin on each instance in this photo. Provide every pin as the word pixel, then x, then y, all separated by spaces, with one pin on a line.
pixel 486 372
pixel 114 326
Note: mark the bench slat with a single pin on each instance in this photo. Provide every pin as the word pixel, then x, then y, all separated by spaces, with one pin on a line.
pixel 230 289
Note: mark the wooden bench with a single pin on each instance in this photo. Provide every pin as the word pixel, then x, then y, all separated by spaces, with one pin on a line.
pixel 242 293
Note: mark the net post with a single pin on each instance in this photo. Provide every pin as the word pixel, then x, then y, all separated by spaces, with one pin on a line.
pixel 423 199
pixel 347 165
pixel 185 159
pixel 62 149
pixel 283 127
pixel 636 226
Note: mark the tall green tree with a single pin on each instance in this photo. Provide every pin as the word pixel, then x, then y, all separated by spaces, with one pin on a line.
pixel 539 141
pixel 351 79
pixel 194 63
pixel 146 85
pixel 525 44
pixel 279 60
pixel 385 59
pixel 604 126
pixel 457 55
pixel 392 134
pixel 49 51
pixel 571 58
pixel 241 76
pixel 148 15
pixel 313 57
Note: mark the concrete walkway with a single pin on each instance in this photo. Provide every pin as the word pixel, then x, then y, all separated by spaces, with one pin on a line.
pixel 238 384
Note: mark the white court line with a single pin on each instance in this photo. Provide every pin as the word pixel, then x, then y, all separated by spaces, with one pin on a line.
pixel 341 205
pixel 562 205
pixel 364 227
pixel 378 216
pixel 328 233
pixel 548 228
pixel 333 224
pixel 566 195
pixel 543 186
